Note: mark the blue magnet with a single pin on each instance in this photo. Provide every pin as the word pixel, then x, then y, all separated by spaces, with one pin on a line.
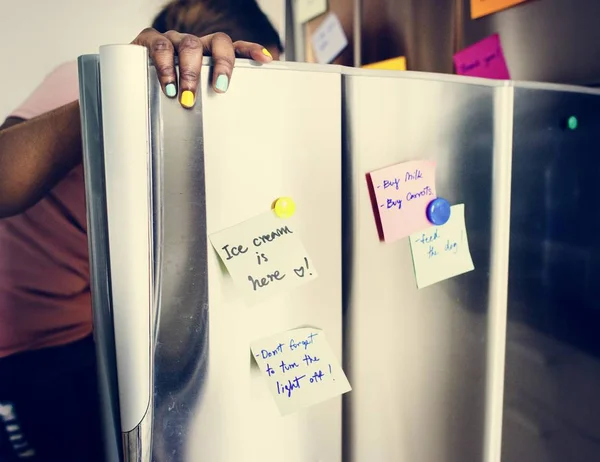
pixel 438 211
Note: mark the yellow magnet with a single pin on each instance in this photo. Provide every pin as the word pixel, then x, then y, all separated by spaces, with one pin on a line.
pixel 284 207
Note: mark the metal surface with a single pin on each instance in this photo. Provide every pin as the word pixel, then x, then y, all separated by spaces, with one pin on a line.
pixel 498 275
pixel 208 398
pixel 357 30
pixel 298 33
pixel 181 303
pixel 256 150
pixel 128 176
pixel 93 163
pixel 289 41
pixel 418 359
pixel 552 412
pixel 138 443
pixel 426 365
pixel 214 403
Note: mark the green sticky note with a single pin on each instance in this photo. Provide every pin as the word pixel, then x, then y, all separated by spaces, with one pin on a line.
pixel 442 252
pixel 299 368
pixel 264 255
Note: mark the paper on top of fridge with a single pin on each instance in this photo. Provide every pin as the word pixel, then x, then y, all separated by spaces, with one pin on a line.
pixel 329 40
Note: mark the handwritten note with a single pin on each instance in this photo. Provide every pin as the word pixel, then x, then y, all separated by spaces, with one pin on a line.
pixel 442 252
pixel 400 196
pixel 483 59
pixel 329 40
pixel 481 8
pixel 305 10
pixel 300 369
pixel 264 255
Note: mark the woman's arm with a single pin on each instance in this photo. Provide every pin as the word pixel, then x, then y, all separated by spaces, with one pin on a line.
pixel 35 155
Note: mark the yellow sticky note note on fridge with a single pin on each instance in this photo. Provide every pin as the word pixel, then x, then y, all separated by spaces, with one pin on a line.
pixel 299 368
pixel 481 8
pixel 442 252
pixel 400 195
pixel 264 255
pixel 393 64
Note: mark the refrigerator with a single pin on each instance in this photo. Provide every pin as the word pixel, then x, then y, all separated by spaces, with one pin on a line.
pixel 460 382
pixel 427 364
pixel 428 367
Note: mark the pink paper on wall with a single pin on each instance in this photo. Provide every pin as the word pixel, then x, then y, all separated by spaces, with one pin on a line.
pixel 483 59
pixel 400 195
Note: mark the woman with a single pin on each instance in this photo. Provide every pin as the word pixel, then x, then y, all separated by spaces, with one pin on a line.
pixel 48 393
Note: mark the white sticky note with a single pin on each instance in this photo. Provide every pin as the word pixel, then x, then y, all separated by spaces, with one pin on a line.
pixel 305 10
pixel 442 252
pixel 264 255
pixel 300 369
pixel 329 39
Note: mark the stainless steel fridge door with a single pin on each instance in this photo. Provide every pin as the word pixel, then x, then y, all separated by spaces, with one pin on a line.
pixel 255 149
pixel 189 388
pixel 426 365
pixel 93 163
pixel 552 412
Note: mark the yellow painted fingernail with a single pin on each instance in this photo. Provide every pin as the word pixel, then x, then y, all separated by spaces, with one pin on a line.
pixel 285 207
pixel 187 98
pixel 266 53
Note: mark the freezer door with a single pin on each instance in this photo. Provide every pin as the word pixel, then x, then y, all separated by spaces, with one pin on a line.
pixel 552 412
pixel 426 365
pixel 189 387
pixel 277 132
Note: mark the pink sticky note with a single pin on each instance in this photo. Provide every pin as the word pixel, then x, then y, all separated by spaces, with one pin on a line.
pixel 400 195
pixel 483 59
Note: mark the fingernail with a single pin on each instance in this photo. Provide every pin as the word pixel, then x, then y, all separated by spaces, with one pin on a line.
pixel 266 53
pixel 187 98
pixel 171 90
pixel 222 83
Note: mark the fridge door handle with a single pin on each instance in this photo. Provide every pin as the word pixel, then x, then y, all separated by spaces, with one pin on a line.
pixel 125 119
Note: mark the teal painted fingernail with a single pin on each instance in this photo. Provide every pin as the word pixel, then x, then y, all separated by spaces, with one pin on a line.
pixel 222 83
pixel 171 90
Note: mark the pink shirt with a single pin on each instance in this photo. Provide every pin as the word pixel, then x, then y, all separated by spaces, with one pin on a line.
pixel 44 271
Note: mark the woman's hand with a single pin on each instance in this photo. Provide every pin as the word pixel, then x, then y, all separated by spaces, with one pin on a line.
pixel 190 49
pixel 36 154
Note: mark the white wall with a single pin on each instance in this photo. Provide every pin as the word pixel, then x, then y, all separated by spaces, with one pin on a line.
pixel 37 36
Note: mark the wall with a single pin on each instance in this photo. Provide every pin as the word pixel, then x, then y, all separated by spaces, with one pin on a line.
pixel 35 39
pixel 60 30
